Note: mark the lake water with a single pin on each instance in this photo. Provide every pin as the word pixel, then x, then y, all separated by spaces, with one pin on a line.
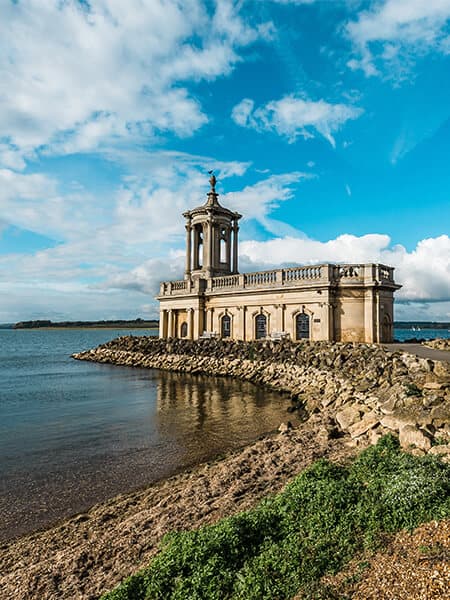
pixel 73 433
pixel 421 334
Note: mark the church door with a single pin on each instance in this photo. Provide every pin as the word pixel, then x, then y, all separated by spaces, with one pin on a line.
pixel 261 327
pixel 302 327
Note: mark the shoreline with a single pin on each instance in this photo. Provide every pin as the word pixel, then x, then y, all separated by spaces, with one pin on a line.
pixel 352 393
pixel 86 328
pixel 90 553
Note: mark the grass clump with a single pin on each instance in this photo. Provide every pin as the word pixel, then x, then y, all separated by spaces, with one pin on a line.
pixel 288 542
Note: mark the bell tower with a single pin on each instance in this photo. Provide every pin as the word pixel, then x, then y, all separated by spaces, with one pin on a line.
pixel 211 238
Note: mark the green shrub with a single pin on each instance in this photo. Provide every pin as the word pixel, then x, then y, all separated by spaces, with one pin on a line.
pixel 288 542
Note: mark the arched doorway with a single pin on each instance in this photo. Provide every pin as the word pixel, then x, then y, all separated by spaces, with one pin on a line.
pixel 184 330
pixel 261 326
pixel 226 326
pixel 302 327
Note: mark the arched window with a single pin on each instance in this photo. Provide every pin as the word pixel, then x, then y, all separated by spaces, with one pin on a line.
pixel 302 327
pixel 223 245
pixel 200 248
pixel 226 326
pixel 261 326
pixel 184 331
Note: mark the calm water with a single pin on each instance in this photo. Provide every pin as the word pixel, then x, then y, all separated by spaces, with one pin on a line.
pixel 74 433
pixel 422 334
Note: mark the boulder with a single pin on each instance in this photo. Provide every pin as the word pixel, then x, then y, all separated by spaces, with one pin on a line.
pixel 285 427
pixel 441 450
pixel 348 416
pixel 413 437
pixel 369 421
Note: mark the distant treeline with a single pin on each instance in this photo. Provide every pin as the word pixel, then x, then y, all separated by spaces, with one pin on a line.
pixel 39 324
pixel 421 325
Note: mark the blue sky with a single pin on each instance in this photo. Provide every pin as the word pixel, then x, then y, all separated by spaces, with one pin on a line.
pixel 326 121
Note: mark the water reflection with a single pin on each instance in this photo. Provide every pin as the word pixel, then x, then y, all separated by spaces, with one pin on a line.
pixel 205 414
pixel 110 429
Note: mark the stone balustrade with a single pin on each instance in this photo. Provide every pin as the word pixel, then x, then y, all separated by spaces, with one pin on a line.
pixel 224 282
pixel 315 274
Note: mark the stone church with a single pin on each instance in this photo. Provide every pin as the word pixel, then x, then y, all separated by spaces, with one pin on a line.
pixel 351 302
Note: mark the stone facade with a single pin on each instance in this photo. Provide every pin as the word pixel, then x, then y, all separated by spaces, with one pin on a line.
pixel 321 302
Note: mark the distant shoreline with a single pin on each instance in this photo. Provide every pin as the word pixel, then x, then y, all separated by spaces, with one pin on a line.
pixel 86 327
pixel 104 324
pixel 154 324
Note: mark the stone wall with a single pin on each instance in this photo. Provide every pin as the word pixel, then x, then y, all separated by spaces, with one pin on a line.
pixel 358 389
pixel 438 344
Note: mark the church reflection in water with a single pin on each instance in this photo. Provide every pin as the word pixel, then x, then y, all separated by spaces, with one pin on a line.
pixel 206 414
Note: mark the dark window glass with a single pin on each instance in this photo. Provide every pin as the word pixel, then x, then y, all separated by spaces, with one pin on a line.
pixel 302 326
pixel 261 326
pixel 226 326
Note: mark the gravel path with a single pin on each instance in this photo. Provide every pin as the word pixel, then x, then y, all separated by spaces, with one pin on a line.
pixel 411 566
pixel 419 350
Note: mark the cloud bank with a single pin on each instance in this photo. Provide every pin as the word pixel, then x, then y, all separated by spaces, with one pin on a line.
pixel 78 75
pixel 393 30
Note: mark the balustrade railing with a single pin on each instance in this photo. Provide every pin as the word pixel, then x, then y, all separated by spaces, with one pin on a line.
pixel 386 273
pixel 349 271
pixel 226 281
pixel 300 273
pixel 284 277
pixel 260 278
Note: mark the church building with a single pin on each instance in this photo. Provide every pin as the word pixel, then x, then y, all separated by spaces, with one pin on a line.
pixel 334 302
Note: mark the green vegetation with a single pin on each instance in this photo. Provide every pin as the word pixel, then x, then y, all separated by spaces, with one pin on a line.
pixel 117 324
pixel 285 544
pixel 411 389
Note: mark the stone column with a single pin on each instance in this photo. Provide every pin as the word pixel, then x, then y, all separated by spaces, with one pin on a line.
pixel 188 249
pixel 228 247
pixel 198 325
pixel 162 323
pixel 209 250
pixel 190 323
pixel 235 247
pixel 170 324
pixel 281 317
pixel 195 257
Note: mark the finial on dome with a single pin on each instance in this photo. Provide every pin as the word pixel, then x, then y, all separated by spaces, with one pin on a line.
pixel 212 181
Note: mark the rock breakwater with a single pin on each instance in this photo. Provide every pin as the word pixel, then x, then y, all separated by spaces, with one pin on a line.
pixel 438 344
pixel 362 390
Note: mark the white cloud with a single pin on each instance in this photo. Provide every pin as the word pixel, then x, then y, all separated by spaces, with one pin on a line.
pixel 76 75
pixel 423 272
pixel 293 116
pixel 425 293
pixel 259 200
pixel 393 30
pixel 104 242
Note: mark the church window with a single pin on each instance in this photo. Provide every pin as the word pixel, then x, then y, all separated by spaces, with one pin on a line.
pixel 302 326
pixel 226 326
pixel 261 326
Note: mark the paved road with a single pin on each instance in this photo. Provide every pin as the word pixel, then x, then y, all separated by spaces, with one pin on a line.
pixel 419 350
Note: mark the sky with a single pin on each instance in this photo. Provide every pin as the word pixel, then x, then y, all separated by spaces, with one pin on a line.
pixel 327 123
